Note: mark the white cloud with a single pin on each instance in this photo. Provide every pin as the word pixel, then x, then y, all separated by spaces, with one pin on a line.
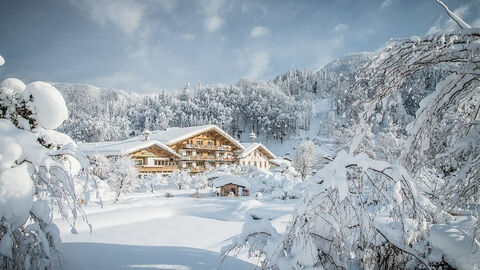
pixel 448 24
pixel 125 14
pixel 387 3
pixel 211 9
pixel 187 36
pixel 340 27
pixel 259 62
pixel 213 24
pixel 476 23
pixel 259 31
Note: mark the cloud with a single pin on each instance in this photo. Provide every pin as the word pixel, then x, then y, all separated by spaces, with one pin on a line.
pixel 259 62
pixel 125 14
pixel 476 23
pixel 213 24
pixel 387 3
pixel 259 31
pixel 448 24
pixel 340 27
pixel 187 36
pixel 211 9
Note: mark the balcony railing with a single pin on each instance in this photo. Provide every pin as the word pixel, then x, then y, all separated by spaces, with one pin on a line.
pixel 144 169
pixel 199 157
pixel 208 147
pixel 197 169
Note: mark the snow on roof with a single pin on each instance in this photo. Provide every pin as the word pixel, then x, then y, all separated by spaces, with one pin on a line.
pixel 250 147
pixel 230 179
pixel 122 147
pixel 280 161
pixel 177 134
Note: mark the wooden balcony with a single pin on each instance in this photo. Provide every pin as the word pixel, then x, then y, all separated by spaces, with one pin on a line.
pixel 209 147
pixel 197 169
pixel 156 169
pixel 212 158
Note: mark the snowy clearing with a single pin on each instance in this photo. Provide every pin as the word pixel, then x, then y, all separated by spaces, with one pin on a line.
pixel 150 231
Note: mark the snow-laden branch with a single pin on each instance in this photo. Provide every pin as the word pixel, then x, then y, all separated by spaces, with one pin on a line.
pixel 454 16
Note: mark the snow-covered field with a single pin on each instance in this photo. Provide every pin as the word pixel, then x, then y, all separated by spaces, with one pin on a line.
pixel 150 231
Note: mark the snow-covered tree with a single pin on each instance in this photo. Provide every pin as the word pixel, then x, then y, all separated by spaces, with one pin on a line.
pixel 38 167
pixel 122 176
pixel 199 181
pixel 358 212
pixel 181 178
pixel 304 159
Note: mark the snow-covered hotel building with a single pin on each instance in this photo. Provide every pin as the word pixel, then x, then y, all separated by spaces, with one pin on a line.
pixel 196 149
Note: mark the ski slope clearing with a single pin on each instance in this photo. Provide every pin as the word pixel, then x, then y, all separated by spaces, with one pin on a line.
pixel 150 231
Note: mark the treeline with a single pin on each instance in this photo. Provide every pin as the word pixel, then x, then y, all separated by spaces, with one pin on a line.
pixel 273 108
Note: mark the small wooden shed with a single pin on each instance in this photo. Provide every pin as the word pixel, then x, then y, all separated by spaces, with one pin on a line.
pixel 236 185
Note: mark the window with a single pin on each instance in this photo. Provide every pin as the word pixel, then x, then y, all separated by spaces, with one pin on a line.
pixel 159 162
pixel 210 143
pixel 138 162
pixel 199 142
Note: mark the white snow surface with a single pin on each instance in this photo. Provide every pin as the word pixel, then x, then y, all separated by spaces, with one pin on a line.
pixel 150 231
pixel 48 104
pixel 456 243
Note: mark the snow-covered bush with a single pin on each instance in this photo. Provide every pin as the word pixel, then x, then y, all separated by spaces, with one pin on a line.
pixel 442 149
pixel 154 182
pixel 356 213
pixel 361 213
pixel 38 168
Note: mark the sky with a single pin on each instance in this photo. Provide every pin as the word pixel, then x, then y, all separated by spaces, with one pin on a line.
pixel 151 45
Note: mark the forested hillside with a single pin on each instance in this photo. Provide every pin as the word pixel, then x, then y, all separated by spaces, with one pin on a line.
pixel 276 109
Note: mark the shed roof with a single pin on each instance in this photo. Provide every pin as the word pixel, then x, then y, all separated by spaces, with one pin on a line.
pixel 230 179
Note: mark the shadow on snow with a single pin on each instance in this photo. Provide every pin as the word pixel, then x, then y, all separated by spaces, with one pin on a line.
pixel 87 255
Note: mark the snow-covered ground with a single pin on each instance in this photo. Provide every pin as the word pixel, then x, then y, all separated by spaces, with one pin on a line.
pixel 150 231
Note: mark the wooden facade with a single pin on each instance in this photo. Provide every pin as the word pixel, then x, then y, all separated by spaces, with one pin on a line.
pixel 196 149
pixel 237 190
pixel 154 160
pixel 204 151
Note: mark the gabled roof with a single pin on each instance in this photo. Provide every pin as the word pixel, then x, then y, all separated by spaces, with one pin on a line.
pixel 175 135
pixel 115 148
pixel 250 147
pixel 230 179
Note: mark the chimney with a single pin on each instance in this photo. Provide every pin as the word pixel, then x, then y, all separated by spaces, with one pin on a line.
pixel 146 134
